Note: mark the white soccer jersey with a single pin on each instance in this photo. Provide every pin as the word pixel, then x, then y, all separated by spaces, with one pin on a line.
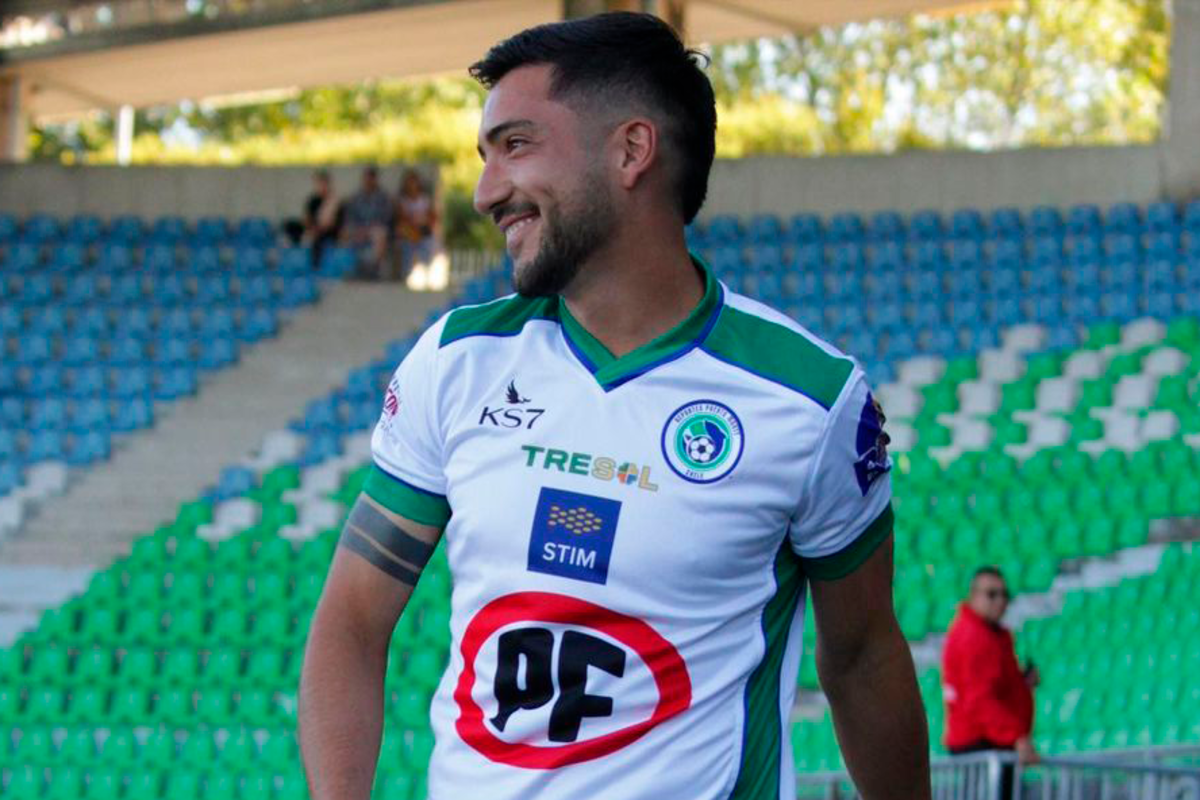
pixel 629 540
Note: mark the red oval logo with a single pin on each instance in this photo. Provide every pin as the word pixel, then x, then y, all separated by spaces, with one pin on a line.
pixel 660 657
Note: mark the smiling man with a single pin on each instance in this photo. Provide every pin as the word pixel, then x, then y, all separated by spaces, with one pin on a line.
pixel 638 475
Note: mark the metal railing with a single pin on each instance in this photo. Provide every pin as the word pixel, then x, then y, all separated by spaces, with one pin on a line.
pixel 1167 773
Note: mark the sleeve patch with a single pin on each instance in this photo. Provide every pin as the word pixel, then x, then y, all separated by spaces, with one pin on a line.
pixel 871 445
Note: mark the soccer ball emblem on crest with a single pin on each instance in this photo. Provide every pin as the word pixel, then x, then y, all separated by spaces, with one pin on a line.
pixel 702 441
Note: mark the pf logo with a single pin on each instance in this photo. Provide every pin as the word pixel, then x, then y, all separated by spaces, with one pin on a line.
pixel 550 680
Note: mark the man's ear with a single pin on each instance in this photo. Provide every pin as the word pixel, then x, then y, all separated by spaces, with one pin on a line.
pixel 635 149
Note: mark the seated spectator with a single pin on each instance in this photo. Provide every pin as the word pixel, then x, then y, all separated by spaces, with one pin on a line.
pixel 367 223
pixel 322 218
pixel 416 224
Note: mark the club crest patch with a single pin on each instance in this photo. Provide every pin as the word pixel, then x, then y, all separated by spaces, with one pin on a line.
pixel 871 445
pixel 702 441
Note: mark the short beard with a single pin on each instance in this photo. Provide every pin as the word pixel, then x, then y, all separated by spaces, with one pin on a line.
pixel 569 238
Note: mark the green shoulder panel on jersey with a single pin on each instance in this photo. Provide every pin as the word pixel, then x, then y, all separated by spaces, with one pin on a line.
pixel 842 563
pixel 407 500
pixel 503 317
pixel 763 727
pixel 779 354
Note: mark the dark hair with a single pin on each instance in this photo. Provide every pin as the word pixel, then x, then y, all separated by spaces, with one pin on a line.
pixel 987 570
pixel 617 58
pixel 321 174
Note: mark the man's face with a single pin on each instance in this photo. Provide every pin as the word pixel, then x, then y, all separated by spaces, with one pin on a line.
pixel 370 180
pixel 989 597
pixel 543 181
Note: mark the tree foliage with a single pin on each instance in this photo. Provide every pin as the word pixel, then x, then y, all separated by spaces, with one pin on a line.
pixel 1027 73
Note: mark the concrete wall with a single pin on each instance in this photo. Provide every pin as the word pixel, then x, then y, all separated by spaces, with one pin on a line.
pixel 937 180
pixel 908 182
pixel 190 192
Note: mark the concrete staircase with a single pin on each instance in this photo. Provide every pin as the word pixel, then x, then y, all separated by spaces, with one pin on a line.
pixel 156 470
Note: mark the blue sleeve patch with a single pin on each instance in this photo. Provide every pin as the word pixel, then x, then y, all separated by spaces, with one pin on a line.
pixel 871 445
pixel 573 535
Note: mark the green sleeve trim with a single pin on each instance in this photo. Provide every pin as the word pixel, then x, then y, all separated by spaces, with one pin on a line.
pixel 778 354
pixel 504 317
pixel 405 499
pixel 842 563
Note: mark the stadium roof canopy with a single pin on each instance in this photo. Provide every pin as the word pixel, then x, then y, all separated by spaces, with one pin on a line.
pixel 156 58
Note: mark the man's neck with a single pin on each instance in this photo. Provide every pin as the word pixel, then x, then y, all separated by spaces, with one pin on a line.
pixel 635 290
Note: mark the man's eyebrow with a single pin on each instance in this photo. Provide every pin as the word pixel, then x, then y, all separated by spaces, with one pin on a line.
pixel 496 131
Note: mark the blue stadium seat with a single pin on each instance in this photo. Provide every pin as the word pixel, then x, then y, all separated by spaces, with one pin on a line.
pixel 1006 223
pixel 80 350
pixel 1046 221
pixel 49 320
pixel 45 380
pixel 298 292
pixel 804 229
pixel 255 232
pixel 964 284
pixel 12 411
pixel 12 319
pixel 84 230
pixel 8 228
pixel 90 414
pixel 1003 311
pixel 126 351
pixel 885 256
pixel 1191 217
pixel 176 323
pixel 1007 253
pixel 69 256
pixel 36 289
pixel 1084 220
pixel 172 351
pixel 807 257
pixel 169 290
pixel 724 230
pixel 160 257
pixel 929 254
pixel 81 290
pixel 292 261
pixel 886 316
pixel 845 227
pixel 338 262
pixel 886 226
pixel 132 415
pixel 203 259
pixel 765 257
pixel 967 223
pixel 45 445
pixel 233 482
pixel 125 230
pixel 41 228
pixel 213 290
pixel 87 381
pixel 89 447
pixel 50 413
pixel 35 348
pixel 217 323
pixel 1123 218
pixel 248 260
pixel 23 257
pixel 1162 217
pixel 1083 277
pixel 168 230
pixel 926 226
pixel 1121 275
pixel 1085 251
pixel 90 320
pixel 1118 306
pixel 925 284
pixel 320 447
pixel 130 383
pixel 765 229
pixel 258 323
pixel 114 257
pixel 217 353
pixel 8 445
pixel 1046 253
pixel 256 290
pixel 177 381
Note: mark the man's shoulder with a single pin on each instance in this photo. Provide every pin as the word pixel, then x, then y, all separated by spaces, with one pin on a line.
pixel 506 316
pixel 764 342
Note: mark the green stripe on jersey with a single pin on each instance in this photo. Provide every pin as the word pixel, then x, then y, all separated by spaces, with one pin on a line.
pixel 778 353
pixel 409 502
pixel 762 737
pixel 504 317
pixel 842 563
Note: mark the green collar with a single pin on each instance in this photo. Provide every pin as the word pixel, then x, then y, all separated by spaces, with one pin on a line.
pixel 610 371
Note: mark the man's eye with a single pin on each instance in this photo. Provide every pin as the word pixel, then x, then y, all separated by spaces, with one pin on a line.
pixel 515 143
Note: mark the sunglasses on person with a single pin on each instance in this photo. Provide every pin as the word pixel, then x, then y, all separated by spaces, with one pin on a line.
pixel 997 594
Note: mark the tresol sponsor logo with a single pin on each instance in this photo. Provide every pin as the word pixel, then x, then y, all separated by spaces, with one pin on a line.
pixel 601 468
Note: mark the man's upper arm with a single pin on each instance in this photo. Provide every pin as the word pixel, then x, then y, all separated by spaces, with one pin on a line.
pixel 852 610
pixel 379 558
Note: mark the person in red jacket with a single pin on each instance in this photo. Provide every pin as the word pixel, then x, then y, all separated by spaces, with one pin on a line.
pixel 989 698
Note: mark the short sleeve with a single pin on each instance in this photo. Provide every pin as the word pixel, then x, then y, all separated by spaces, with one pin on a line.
pixel 407 476
pixel 845 511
